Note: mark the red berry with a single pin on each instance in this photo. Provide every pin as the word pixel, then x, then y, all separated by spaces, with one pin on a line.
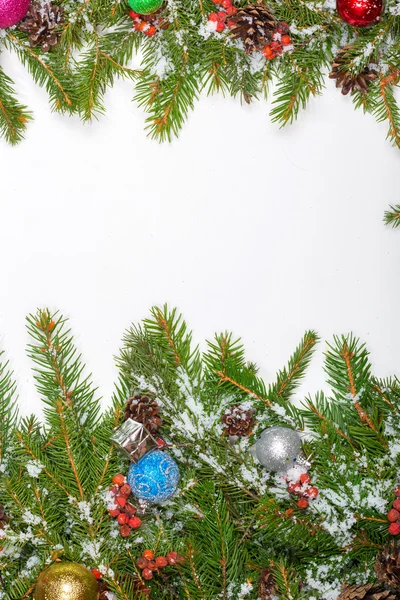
pixel 393 515
pixel 283 27
pixel 125 490
pixel 276 47
pixel 221 16
pixel 394 528
pixel 231 10
pixel 150 31
pixel 124 530
pixel 152 565
pixel 97 573
pixel 172 558
pixel 114 489
pixel 118 479
pixel 130 509
pixel 302 503
pixel 133 14
pixel 230 23
pixel 226 3
pixel 396 504
pixel 286 40
pixel 397 491
pixel 134 522
pixel 122 519
pixel 220 26
pixel 268 52
pixel 213 17
pixel 142 562
pixel 149 554
pixel 215 2
pixel 121 500
pixel 312 492
pixel 147 574
pixel 161 562
pixel 305 478
pixel 159 441
pixel 140 25
pixel 114 512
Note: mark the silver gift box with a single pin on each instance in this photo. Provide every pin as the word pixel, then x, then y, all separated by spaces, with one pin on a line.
pixel 133 439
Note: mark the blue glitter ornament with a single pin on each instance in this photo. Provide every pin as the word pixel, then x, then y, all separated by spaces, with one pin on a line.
pixel 155 477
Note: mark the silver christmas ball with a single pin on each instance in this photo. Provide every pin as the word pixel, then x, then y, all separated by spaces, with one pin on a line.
pixel 277 448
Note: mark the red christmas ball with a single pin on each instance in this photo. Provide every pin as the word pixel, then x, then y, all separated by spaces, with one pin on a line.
pixel 360 13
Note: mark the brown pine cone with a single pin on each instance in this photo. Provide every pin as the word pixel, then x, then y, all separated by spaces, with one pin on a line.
pixel 266 586
pixel 237 421
pixel 346 79
pixel 369 591
pixel 144 410
pixel 42 24
pixel 387 566
pixel 3 517
pixel 254 24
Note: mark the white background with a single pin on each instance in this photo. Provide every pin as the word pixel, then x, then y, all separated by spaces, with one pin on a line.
pixel 243 226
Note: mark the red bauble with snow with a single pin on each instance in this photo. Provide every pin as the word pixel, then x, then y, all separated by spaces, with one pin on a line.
pixel 360 13
pixel 12 12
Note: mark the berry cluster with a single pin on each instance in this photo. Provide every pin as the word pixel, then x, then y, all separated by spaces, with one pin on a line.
pixel 148 562
pixel 394 515
pixel 148 24
pixel 221 18
pixel 124 512
pixel 281 40
pixel 303 489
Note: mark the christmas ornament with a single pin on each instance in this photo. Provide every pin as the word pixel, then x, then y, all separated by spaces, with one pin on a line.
pixel 360 13
pixel 155 477
pixel 237 421
pixel 66 581
pixel 347 80
pixel 277 448
pixel 133 439
pixel 145 7
pixel 42 24
pixel 12 11
pixel 387 565
pixel 369 591
pixel 255 25
pixel 144 410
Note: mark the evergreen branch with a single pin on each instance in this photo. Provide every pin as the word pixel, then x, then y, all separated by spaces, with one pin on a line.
pixel 348 356
pixel 226 379
pixel 8 408
pixel 13 115
pixel 392 216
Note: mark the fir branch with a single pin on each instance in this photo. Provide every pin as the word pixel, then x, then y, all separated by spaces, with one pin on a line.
pixel 13 115
pixel 392 216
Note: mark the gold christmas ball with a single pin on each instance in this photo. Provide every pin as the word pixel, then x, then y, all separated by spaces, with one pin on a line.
pixel 66 581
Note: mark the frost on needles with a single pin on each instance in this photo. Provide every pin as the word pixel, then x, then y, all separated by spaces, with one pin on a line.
pixel 171 69
pixel 231 519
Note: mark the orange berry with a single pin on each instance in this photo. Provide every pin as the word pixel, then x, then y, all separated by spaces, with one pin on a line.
pixel 119 479
pixel 134 522
pixel 97 573
pixel 302 503
pixel 286 40
pixel 161 562
pixel 149 554
pixel 150 31
pixel 147 574
pixel 125 490
pixel 114 512
pixel 124 530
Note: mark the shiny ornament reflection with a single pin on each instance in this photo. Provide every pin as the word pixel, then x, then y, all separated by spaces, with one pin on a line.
pixel 360 13
pixel 66 581
pixel 155 477
pixel 12 12
pixel 278 448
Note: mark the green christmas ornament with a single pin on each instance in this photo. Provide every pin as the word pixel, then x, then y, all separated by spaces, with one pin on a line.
pixel 145 7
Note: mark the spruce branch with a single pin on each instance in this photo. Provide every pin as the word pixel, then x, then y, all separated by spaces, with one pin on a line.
pixel 392 216
pixel 13 115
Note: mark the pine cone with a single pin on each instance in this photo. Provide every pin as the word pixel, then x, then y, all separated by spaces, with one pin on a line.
pixel 369 591
pixel 144 410
pixel 254 24
pixel 42 24
pixel 3 517
pixel 347 80
pixel 387 566
pixel 266 587
pixel 237 421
